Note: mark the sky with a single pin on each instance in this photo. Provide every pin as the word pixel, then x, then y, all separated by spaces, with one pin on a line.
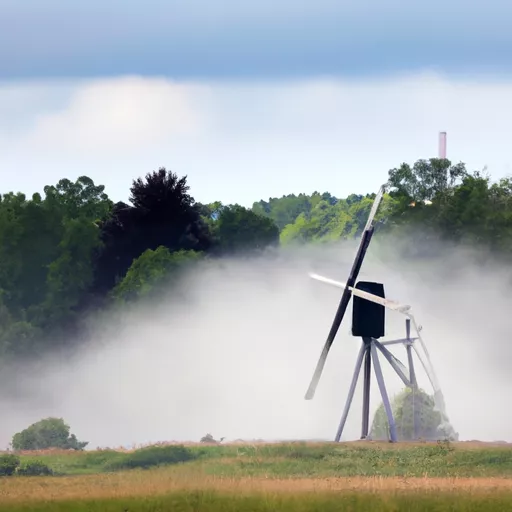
pixel 249 100
pixel 253 100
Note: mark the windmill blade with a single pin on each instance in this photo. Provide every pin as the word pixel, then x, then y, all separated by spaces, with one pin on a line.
pixel 387 303
pixel 340 313
pixel 345 297
pixel 375 207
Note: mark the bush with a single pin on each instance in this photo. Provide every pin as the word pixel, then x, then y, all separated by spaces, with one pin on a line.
pixel 8 464
pixel 47 433
pixel 152 456
pixel 36 468
pixel 209 439
pixel 411 408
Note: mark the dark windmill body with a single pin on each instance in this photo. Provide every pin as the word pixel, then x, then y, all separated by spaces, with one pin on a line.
pixel 368 323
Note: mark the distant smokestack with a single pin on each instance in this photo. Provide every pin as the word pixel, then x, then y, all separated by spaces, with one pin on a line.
pixel 442 145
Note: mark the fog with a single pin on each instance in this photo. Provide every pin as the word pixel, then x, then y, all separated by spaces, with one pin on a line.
pixel 232 351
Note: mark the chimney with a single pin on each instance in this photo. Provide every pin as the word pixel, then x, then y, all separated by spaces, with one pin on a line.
pixel 442 145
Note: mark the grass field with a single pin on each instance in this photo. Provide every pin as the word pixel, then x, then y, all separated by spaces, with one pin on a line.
pixel 272 477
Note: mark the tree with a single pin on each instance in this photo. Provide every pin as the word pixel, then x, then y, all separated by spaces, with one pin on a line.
pixel 81 199
pixel 27 243
pixel 46 251
pixel 499 221
pixel 210 215
pixel 324 222
pixel 19 339
pixel 284 210
pixel 409 407
pixel 168 212
pixel 210 212
pixel 241 230
pixel 152 270
pixel 71 273
pixel 35 233
pixel 472 211
pixel 47 433
pixel 163 214
pixel 425 180
pixel 333 220
pixel 466 214
pixel 70 250
pixel 297 232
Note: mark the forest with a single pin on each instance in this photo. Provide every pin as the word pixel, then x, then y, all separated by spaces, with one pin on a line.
pixel 73 251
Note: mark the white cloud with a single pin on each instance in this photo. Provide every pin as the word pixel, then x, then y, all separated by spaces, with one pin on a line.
pixel 118 115
pixel 244 141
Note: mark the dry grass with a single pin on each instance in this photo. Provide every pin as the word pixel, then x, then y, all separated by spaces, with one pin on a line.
pixel 462 445
pixel 167 480
pixel 266 477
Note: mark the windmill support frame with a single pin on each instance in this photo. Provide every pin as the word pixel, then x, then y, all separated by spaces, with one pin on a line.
pixel 412 344
pixel 368 354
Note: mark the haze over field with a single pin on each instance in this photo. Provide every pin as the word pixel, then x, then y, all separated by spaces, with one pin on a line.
pixel 232 353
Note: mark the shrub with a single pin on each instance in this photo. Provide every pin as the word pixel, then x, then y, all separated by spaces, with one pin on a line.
pixel 152 456
pixel 415 416
pixel 8 464
pixel 47 433
pixel 35 468
pixel 209 439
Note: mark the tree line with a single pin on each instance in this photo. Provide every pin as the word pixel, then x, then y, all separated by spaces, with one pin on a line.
pixel 73 250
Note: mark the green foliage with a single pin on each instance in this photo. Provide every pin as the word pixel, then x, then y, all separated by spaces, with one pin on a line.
pixel 8 464
pixel 70 252
pixel 238 229
pixel 17 337
pixel 35 468
pixel 426 179
pixel 153 268
pixel 150 457
pixel 47 433
pixel 46 250
pixel 465 208
pixel 285 210
pixel 329 221
pixel 163 213
pixel 415 418
pixel 59 226
pixel 300 459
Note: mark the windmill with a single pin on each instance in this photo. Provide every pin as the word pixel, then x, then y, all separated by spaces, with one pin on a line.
pixel 368 322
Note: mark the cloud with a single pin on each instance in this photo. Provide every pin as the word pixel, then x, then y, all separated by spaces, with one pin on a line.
pixel 197 39
pixel 239 142
pixel 114 115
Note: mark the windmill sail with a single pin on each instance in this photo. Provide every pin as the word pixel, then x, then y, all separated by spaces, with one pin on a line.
pixel 347 293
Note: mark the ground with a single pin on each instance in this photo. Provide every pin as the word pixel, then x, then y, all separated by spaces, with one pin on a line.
pixel 271 477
